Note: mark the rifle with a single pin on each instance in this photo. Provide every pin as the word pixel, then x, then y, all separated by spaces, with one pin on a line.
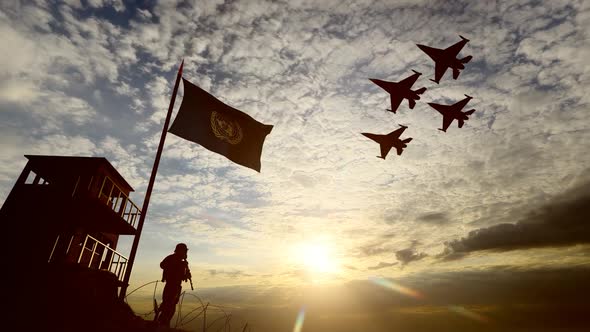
pixel 188 271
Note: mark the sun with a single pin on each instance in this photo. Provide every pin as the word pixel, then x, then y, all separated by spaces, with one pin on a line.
pixel 317 257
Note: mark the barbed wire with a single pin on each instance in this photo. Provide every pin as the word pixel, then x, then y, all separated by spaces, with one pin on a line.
pixel 183 320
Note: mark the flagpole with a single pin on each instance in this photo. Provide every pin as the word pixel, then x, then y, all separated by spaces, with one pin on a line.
pixel 148 193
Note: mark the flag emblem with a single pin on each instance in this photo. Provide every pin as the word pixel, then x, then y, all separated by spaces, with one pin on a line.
pixel 220 128
pixel 225 128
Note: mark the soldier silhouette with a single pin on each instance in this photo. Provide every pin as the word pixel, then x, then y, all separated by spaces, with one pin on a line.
pixel 175 270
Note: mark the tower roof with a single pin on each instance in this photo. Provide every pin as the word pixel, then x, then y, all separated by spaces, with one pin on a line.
pixel 57 166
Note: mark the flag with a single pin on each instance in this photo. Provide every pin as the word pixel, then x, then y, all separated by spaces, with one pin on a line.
pixel 220 128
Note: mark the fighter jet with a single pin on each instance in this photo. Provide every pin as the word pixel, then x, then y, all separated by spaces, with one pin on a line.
pixel 401 90
pixel 446 58
pixel 390 140
pixel 453 112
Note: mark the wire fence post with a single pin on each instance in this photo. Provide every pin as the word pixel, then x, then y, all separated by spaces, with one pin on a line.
pixel 205 317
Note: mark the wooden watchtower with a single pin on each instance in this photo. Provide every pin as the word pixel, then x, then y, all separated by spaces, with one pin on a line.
pixel 70 210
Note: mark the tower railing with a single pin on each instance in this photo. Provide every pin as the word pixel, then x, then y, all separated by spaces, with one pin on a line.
pixel 90 253
pixel 113 196
pixel 95 254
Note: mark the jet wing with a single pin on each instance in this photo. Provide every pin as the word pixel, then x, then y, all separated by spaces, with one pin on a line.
pixel 433 53
pixel 395 101
pixel 453 50
pixel 374 137
pixel 461 104
pixel 439 71
pixel 447 120
pixel 409 81
pixel 385 150
pixel 382 140
pixel 396 133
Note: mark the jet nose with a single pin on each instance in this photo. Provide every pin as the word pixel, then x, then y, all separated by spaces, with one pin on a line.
pixel 422 47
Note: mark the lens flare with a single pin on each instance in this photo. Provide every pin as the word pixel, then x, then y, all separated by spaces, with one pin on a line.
pixel 396 287
pixel 299 320
pixel 468 313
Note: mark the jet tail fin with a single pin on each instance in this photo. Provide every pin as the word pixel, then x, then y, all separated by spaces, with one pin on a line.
pixel 420 91
pixel 399 151
pixel 469 112
pixel 412 103
pixel 461 123
pixel 407 140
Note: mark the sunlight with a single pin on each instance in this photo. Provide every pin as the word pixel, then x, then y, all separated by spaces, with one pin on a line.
pixel 317 257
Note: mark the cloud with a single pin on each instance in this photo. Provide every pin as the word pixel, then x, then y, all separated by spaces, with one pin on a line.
pixel 564 221
pixel 372 250
pixel 229 274
pixel 15 91
pixel 382 265
pixel 405 256
pixel 437 218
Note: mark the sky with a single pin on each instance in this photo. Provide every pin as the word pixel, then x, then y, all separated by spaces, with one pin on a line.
pixel 485 227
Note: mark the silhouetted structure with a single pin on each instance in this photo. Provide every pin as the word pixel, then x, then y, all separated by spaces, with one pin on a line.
pixel 70 210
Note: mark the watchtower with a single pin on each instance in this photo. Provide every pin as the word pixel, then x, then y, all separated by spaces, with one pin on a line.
pixel 70 210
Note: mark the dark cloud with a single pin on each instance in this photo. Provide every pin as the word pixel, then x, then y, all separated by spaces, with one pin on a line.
pixel 564 221
pixel 437 218
pixel 372 250
pixel 229 274
pixel 382 265
pixel 408 255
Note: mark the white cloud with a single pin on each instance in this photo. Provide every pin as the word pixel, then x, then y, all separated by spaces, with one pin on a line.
pixel 118 5
pixel 15 91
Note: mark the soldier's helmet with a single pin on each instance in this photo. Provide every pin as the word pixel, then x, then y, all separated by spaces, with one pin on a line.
pixel 181 247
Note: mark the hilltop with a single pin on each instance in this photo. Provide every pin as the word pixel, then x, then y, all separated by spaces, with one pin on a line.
pixel 69 297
